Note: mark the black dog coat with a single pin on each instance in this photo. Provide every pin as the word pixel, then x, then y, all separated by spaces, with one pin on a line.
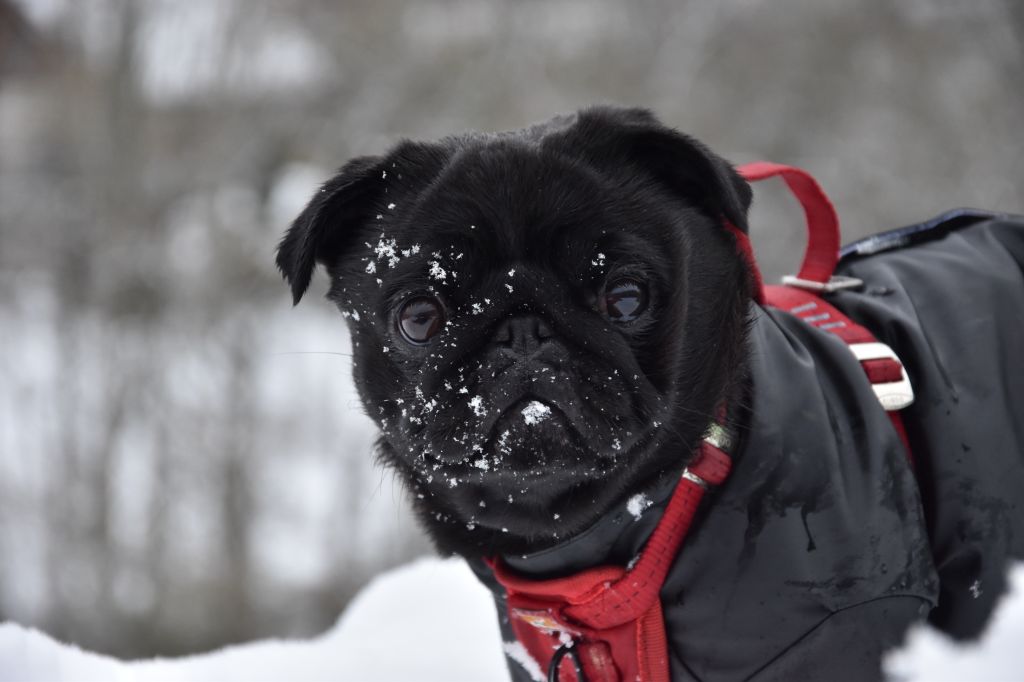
pixel 825 543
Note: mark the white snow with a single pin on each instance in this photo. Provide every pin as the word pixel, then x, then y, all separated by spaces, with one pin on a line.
pixel 430 620
pixel 535 412
pixel 436 271
pixel 637 504
pixel 476 403
pixel 518 653
pixel 929 656
pixel 387 249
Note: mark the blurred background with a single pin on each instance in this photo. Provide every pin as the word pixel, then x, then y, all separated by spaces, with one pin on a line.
pixel 183 461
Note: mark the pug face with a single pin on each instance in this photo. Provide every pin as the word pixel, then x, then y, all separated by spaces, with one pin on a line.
pixel 543 321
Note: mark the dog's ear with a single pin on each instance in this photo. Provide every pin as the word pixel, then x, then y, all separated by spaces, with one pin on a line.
pixel 679 162
pixel 332 214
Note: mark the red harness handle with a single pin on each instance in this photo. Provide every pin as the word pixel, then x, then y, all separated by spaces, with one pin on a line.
pixel 822 254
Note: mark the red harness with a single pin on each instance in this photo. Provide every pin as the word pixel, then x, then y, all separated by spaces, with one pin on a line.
pixel 608 619
pixel 605 624
pixel 799 294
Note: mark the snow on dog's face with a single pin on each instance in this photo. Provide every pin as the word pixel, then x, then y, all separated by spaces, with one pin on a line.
pixel 543 321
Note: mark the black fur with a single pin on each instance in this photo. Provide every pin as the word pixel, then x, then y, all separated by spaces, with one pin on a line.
pixel 527 227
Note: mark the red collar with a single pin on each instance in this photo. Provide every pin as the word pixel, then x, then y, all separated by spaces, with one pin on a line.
pixel 606 622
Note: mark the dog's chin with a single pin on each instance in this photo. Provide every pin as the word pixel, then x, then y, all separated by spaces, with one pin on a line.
pixel 534 482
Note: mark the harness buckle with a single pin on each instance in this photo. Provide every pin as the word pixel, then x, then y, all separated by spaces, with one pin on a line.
pixel 894 395
pixel 717 435
pixel 542 620
pixel 835 283
pixel 694 478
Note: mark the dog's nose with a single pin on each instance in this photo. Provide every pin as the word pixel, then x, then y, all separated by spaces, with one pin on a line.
pixel 522 335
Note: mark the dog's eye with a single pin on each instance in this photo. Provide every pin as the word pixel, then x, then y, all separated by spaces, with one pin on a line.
pixel 420 319
pixel 624 300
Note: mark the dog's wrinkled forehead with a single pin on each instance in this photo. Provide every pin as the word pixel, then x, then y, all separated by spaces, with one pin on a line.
pixel 504 205
pixel 507 198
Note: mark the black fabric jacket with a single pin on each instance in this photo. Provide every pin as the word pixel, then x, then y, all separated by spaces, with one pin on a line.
pixel 824 544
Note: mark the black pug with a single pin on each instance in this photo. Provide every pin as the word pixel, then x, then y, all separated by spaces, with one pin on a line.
pixel 545 323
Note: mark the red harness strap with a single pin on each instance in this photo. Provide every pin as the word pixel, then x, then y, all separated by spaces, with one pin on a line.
pixel 883 369
pixel 609 618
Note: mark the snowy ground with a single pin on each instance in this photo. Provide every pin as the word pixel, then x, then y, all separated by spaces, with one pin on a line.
pixel 431 620
pixel 998 657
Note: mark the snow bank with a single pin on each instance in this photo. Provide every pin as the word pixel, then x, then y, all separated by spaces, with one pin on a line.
pixel 431 620
pixel 930 656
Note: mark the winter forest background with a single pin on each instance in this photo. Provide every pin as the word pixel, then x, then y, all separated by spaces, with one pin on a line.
pixel 183 461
